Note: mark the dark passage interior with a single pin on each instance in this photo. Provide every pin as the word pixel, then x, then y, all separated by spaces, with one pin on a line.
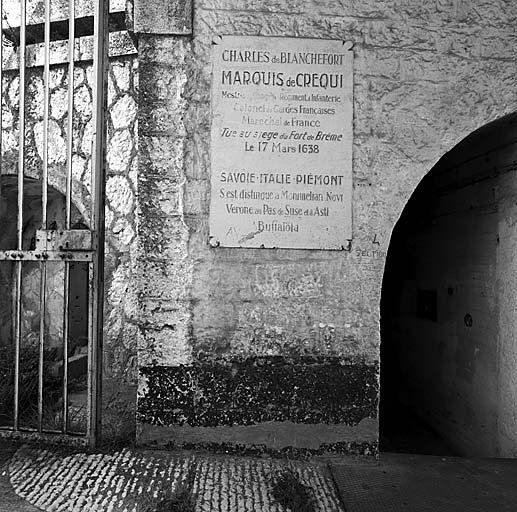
pixel 449 303
pixel 33 283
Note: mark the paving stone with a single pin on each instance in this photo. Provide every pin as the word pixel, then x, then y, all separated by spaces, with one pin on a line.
pixel 133 481
pixel 9 500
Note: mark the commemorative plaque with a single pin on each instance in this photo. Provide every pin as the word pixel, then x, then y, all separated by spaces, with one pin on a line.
pixel 281 143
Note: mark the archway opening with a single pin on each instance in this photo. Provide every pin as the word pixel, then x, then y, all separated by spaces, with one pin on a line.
pixel 47 360
pixel 448 323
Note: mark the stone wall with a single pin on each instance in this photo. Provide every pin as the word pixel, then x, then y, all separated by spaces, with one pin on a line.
pixel 250 346
pixel 121 224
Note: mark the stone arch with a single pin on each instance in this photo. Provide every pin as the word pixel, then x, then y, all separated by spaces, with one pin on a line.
pixel 81 198
pixel 447 335
pixel 30 302
pixel 32 209
pixel 454 135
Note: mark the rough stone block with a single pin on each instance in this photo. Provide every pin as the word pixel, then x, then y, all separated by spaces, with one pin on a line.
pixel 163 17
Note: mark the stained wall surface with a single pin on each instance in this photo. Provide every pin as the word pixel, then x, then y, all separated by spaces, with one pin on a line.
pixel 279 349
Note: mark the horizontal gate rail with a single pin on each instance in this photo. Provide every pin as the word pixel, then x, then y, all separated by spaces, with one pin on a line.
pixel 46 256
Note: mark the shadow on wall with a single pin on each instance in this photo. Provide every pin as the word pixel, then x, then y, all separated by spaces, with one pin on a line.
pixel 446 328
pixel 53 287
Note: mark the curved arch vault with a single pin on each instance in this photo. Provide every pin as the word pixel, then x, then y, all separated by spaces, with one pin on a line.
pixel 448 323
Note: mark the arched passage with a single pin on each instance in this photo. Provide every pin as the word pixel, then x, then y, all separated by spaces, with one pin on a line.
pixel 32 286
pixel 449 302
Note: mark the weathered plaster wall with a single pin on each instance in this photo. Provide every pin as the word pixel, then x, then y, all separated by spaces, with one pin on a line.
pixel 426 75
pixel 507 287
pixel 119 372
pixel 455 239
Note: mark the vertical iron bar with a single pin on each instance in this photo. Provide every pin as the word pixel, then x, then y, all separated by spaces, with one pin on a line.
pixel 70 133
pixel 17 339
pixel 19 227
pixel 21 149
pixel 43 280
pixel 90 400
pixel 65 346
pixel 100 63
pixel 46 100
pixel 71 47
pixel 1 91
pixel 44 201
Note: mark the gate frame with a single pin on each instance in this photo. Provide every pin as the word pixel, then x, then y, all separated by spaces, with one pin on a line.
pixel 100 103
pixel 95 256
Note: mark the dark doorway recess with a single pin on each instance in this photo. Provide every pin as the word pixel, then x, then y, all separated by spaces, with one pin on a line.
pixel 448 328
pixel 48 355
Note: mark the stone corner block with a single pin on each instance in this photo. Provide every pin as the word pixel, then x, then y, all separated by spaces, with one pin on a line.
pixel 173 17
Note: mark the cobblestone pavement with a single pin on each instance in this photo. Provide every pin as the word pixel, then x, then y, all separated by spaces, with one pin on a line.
pixel 9 500
pixel 135 480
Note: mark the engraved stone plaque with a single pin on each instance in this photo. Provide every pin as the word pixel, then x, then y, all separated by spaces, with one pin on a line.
pixel 281 143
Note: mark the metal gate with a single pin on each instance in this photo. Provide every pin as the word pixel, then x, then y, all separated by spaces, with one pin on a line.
pixel 51 227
